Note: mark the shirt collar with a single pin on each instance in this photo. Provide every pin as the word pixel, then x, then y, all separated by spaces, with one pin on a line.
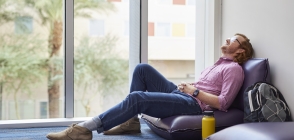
pixel 226 58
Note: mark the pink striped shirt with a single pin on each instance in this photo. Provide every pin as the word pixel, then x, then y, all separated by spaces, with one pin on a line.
pixel 224 79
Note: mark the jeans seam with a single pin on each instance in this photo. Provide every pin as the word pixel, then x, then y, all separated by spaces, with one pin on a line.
pixel 141 102
pixel 150 81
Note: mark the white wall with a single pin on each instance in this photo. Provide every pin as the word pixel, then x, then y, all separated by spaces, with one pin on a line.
pixel 270 26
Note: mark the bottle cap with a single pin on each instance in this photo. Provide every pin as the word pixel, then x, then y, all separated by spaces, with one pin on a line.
pixel 208 113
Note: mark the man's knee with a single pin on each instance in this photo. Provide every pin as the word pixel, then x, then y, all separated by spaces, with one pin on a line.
pixel 136 95
pixel 142 66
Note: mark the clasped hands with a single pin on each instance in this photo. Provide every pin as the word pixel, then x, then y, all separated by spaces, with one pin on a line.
pixel 187 88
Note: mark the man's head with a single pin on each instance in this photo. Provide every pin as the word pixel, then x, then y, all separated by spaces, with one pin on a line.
pixel 238 48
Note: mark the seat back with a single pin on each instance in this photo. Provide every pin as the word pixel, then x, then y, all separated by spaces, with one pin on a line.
pixel 255 70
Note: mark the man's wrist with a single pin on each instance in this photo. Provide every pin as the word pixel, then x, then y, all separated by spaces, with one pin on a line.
pixel 195 93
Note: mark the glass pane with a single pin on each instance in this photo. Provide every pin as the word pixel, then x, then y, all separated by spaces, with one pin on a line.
pixel 101 55
pixel 31 59
pixel 171 39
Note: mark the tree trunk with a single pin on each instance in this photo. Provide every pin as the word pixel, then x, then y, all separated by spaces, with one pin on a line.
pixel 54 95
pixel 54 85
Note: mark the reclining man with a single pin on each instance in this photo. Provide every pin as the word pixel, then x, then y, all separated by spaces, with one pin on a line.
pixel 153 95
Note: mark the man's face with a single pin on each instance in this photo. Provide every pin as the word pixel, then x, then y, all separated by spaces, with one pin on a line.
pixel 232 45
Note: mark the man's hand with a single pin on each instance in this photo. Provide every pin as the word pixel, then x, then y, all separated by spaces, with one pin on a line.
pixel 207 98
pixel 187 88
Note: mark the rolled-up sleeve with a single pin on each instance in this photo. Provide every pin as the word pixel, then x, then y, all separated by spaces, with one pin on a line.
pixel 233 77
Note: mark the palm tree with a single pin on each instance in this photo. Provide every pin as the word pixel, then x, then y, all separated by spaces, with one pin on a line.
pixel 51 14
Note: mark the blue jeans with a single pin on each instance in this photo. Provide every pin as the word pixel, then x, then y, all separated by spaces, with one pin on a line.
pixel 150 94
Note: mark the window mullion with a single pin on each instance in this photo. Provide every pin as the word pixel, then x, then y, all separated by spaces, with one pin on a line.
pixel 69 59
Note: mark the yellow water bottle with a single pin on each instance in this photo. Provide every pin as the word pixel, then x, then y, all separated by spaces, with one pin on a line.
pixel 208 124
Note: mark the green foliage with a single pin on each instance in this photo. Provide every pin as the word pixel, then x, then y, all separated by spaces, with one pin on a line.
pixel 82 8
pixel 21 61
pixel 99 65
pixel 47 10
pixel 21 65
pixel 98 69
pixel 6 12
pixel 52 10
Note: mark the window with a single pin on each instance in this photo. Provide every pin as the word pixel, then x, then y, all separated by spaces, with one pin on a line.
pixel 190 30
pixel 126 28
pixel 179 2
pixel 23 25
pixel 162 29
pixel 96 27
pixel 178 29
pixel 29 41
pixel 170 51
pixel 165 54
pixel 191 2
pixel 165 2
pixel 101 58
pixel 150 29
pixel 43 110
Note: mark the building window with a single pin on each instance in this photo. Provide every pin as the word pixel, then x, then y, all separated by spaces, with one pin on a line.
pixel 23 25
pixel 164 2
pixel 190 30
pixel 191 2
pixel 126 28
pixel 43 110
pixel 178 29
pixel 162 29
pixel 96 27
pixel 179 2
pixel 150 28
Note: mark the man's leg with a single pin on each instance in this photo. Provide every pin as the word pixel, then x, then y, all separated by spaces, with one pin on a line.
pixel 155 104
pixel 146 78
pixel 151 103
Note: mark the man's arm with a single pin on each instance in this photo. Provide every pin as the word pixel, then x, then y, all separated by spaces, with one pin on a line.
pixel 207 98
pixel 232 81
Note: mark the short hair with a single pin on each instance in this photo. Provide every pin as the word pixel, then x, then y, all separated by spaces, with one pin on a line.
pixel 248 53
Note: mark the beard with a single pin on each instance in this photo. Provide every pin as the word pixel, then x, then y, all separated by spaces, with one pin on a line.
pixel 228 50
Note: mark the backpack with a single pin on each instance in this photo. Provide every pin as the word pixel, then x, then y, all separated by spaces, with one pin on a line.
pixel 263 102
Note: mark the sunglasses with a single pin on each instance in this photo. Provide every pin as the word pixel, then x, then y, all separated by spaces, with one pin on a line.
pixel 233 39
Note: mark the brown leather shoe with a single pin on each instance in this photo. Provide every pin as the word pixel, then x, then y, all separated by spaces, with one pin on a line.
pixel 131 126
pixel 74 132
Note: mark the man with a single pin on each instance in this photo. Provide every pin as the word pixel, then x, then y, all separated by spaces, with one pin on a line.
pixel 153 95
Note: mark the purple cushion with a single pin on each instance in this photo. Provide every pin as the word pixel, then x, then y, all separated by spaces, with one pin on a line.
pixel 189 126
pixel 255 70
pixel 257 131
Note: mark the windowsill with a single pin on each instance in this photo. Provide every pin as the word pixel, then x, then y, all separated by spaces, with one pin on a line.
pixel 4 124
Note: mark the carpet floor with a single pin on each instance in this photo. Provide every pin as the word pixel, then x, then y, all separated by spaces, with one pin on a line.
pixel 40 134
